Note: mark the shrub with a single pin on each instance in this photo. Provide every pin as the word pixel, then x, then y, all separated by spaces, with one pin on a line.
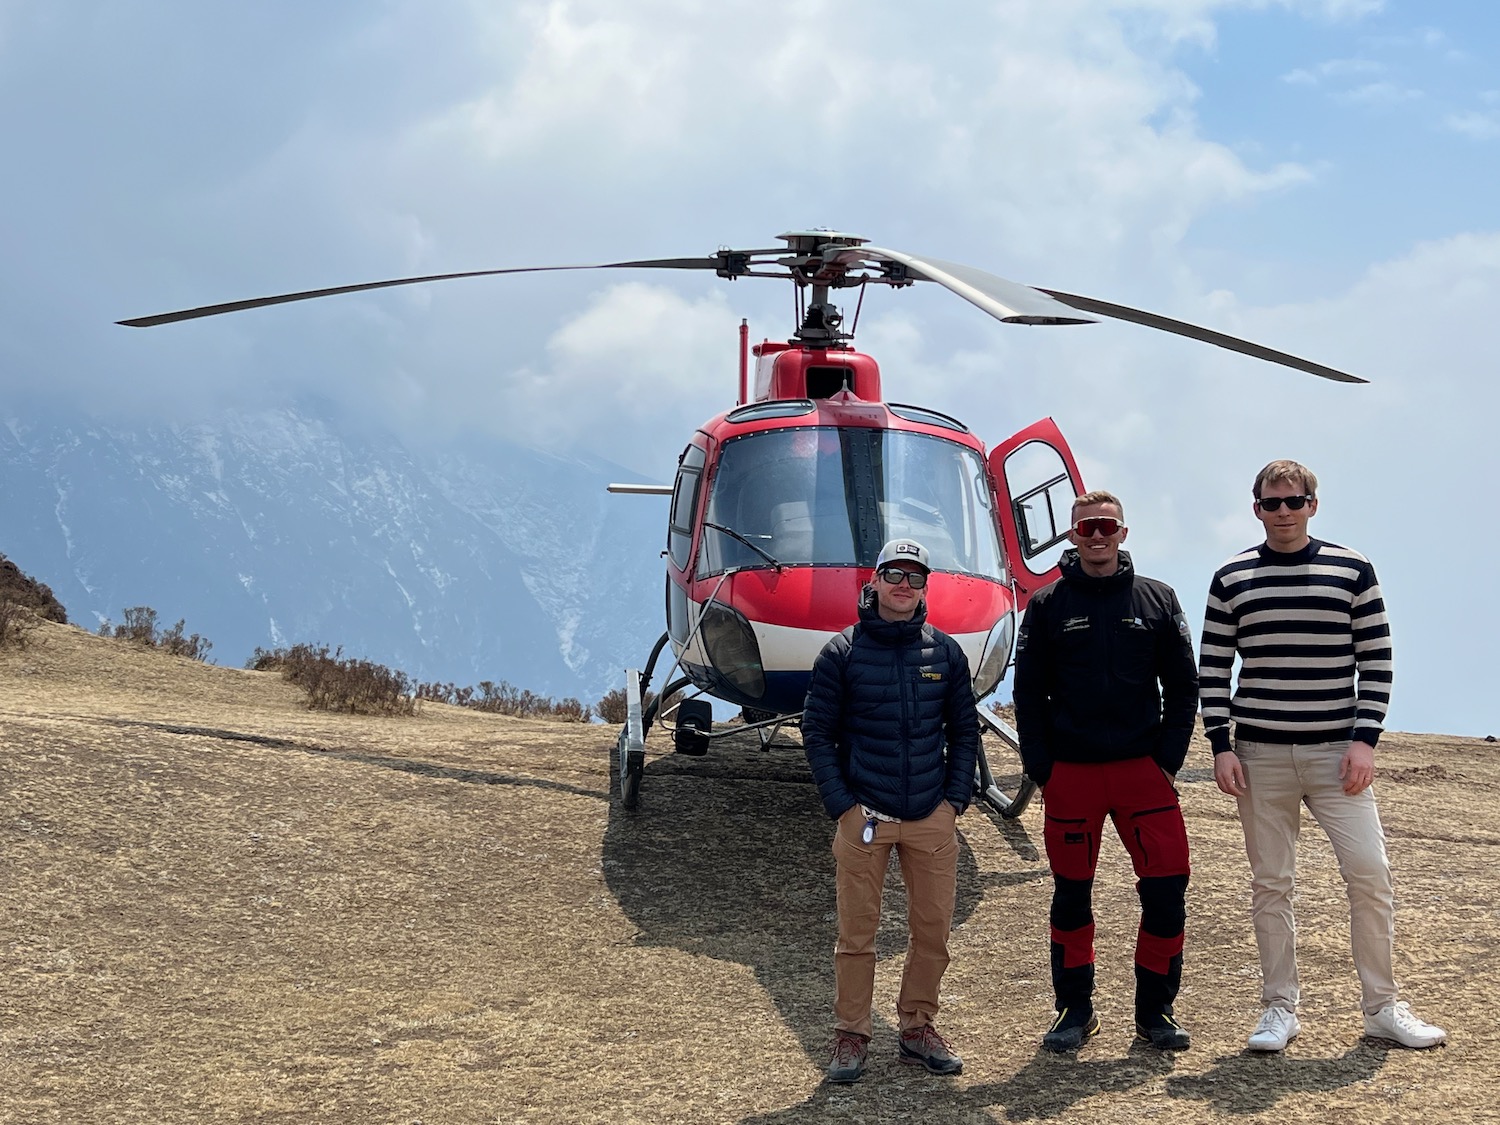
pixel 613 707
pixel 15 621
pixel 507 699
pixel 140 628
pixel 334 682
pixel 28 593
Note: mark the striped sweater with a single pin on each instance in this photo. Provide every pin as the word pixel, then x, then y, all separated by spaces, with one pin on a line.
pixel 1304 624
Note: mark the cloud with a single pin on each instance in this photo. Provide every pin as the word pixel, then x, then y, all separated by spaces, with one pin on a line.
pixel 1378 93
pixel 1479 126
pixel 1049 141
pixel 636 372
pixel 1331 68
pixel 175 159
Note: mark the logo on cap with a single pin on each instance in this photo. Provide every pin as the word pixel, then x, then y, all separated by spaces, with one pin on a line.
pixel 904 550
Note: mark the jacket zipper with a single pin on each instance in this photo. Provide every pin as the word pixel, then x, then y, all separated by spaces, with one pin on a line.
pixel 905 721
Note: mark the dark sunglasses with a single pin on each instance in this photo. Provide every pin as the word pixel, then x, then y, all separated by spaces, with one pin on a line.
pixel 894 575
pixel 1097 525
pixel 1274 503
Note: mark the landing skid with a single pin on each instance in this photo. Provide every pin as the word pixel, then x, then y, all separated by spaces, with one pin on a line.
pixel 631 746
pixel 990 793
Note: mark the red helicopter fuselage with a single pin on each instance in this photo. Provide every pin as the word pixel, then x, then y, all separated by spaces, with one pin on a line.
pixel 781 505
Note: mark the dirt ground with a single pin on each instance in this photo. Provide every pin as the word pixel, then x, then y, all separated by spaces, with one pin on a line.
pixel 221 907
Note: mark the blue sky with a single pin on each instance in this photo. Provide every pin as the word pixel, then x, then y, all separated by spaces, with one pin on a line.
pixel 1314 174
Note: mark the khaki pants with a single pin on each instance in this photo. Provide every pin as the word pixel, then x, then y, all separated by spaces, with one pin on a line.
pixel 928 851
pixel 1279 778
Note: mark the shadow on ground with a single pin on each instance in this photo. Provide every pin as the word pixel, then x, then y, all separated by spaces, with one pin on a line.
pixel 1253 1082
pixel 729 856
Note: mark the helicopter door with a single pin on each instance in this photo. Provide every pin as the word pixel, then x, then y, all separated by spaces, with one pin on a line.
pixel 1037 480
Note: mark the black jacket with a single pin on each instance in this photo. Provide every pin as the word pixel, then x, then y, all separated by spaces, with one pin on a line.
pixel 886 697
pixel 1089 657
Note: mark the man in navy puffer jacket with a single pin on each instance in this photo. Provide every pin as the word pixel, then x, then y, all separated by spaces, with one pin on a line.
pixel 892 735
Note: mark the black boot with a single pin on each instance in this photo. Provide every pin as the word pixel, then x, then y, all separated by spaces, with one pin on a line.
pixel 1075 1022
pixel 1154 994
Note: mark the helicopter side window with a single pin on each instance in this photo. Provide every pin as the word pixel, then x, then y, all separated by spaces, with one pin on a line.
pixel 1043 512
pixel 684 504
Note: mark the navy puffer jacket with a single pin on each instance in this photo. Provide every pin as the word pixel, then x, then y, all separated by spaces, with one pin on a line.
pixel 890 720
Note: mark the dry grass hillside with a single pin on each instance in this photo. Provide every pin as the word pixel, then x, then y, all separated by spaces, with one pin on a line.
pixel 219 906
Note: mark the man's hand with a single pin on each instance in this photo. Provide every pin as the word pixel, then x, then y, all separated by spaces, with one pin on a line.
pixel 1357 767
pixel 1229 774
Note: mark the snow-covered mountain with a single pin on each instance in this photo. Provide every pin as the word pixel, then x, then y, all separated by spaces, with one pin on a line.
pixel 478 562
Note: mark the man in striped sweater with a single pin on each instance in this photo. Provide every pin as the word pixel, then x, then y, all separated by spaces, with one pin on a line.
pixel 1308 623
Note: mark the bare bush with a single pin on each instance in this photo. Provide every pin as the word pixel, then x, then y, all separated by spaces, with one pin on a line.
pixel 334 682
pixel 449 693
pixel 140 628
pixel 27 592
pixel 507 699
pixel 613 706
pixel 15 623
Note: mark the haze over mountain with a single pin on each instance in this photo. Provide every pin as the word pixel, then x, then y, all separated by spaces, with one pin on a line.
pixel 480 561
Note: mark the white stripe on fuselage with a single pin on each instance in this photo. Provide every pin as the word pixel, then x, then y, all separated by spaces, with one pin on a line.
pixel 784 648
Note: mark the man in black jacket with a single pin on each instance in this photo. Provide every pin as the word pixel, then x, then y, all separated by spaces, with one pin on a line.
pixel 1105 694
pixel 892 736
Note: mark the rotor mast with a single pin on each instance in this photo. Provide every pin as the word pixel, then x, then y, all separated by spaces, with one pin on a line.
pixel 818 260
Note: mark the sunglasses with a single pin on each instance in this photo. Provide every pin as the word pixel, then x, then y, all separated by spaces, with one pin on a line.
pixel 894 575
pixel 1097 525
pixel 1274 503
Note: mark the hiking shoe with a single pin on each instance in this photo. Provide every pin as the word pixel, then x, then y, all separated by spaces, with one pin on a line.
pixel 850 1049
pixel 1397 1023
pixel 1070 1029
pixel 1163 1032
pixel 923 1046
pixel 1277 1028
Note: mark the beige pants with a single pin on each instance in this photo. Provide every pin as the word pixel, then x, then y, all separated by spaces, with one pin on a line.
pixel 1279 779
pixel 928 851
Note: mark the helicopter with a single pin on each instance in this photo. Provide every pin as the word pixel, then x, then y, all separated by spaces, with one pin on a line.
pixel 781 503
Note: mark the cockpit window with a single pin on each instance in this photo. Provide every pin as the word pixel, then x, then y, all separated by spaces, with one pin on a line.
pixel 828 496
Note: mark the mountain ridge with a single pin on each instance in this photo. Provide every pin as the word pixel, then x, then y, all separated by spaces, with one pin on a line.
pixel 267 528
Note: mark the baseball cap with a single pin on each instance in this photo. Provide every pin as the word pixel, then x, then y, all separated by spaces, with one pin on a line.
pixel 903 550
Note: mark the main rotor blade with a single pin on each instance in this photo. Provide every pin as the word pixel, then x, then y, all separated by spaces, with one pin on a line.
pixel 1009 301
pixel 1207 335
pixel 713 263
pixel 1015 303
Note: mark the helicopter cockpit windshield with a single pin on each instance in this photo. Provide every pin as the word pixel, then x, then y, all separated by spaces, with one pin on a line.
pixel 830 496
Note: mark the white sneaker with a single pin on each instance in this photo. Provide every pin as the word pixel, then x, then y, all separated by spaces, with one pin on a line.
pixel 1277 1028
pixel 1397 1023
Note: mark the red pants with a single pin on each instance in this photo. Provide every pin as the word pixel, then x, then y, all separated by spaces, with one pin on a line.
pixel 1143 804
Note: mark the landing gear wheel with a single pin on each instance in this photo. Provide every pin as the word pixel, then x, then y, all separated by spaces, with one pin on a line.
pixel 695 718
